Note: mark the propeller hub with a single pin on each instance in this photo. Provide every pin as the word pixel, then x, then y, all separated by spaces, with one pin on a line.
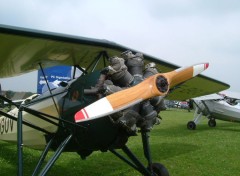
pixel 162 84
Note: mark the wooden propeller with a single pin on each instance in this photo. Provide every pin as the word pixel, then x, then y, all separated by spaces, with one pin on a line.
pixel 156 85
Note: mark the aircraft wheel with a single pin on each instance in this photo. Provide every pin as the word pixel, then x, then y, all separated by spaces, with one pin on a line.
pixel 212 123
pixel 191 125
pixel 159 169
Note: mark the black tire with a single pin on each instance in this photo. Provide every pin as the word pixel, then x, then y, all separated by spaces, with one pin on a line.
pixel 159 169
pixel 191 125
pixel 212 123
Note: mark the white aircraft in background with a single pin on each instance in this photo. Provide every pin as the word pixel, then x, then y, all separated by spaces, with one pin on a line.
pixel 223 106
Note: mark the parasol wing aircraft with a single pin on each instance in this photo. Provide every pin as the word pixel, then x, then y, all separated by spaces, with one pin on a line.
pixel 119 91
pixel 222 106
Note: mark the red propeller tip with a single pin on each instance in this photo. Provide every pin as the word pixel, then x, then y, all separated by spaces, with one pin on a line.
pixel 206 66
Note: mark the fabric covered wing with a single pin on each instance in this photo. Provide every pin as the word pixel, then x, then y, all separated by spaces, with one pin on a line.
pixel 21 51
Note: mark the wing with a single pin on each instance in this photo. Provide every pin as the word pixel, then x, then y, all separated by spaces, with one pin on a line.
pixel 230 94
pixel 23 49
pixel 209 97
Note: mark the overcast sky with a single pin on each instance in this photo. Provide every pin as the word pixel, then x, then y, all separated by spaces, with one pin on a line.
pixel 183 32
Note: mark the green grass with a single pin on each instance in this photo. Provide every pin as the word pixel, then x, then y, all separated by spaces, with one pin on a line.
pixel 203 152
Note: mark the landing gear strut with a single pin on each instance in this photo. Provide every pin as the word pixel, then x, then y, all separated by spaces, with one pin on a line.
pixel 153 169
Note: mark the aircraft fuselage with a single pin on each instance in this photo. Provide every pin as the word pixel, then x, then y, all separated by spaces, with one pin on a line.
pixel 224 111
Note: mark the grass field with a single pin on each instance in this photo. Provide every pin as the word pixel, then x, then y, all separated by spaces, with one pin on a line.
pixel 203 152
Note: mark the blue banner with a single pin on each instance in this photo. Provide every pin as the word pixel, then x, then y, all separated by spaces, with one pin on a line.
pixel 54 76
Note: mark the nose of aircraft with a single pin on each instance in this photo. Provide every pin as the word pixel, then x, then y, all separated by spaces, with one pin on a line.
pixel 156 85
pixel 162 84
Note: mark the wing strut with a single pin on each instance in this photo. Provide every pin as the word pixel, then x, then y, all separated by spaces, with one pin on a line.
pixel 105 57
pixel 80 68
pixel 56 155
pixel 20 142
pixel 95 62
pixel 55 104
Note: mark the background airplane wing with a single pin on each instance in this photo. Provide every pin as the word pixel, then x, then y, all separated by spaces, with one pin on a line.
pixel 21 51
pixel 209 97
pixel 230 94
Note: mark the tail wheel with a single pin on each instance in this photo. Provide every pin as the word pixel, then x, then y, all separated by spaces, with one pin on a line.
pixel 191 125
pixel 212 123
pixel 159 169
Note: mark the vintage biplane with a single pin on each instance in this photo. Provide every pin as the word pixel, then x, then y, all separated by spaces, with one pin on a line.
pixel 119 94
pixel 222 106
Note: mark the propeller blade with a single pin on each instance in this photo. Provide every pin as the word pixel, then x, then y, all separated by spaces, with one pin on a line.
pixel 156 85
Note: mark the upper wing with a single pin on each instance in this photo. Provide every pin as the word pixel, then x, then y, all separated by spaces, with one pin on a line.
pixel 21 51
